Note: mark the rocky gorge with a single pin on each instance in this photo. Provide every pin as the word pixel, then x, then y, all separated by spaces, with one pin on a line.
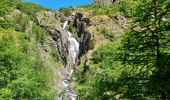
pixel 108 50
pixel 70 47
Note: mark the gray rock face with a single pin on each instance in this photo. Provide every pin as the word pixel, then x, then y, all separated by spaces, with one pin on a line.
pixel 69 48
pixel 52 22
pixel 84 36
pixel 106 2
pixel 121 20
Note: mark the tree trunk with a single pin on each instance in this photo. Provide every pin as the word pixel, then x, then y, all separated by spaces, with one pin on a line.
pixel 163 95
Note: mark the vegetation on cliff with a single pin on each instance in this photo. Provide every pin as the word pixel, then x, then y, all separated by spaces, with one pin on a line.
pixel 23 73
pixel 138 66
pixel 129 56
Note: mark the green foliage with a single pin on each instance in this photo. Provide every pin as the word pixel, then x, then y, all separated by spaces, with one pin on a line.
pixel 146 51
pixel 5 24
pixel 98 83
pixel 23 74
pixel 72 29
pixel 107 34
pixel 5 94
pixel 55 54
pixel 125 7
pixel 6 6
pixel 19 22
pixel 92 44
pixel 65 11
pixel 40 33
pixel 21 77
pixel 97 10
pixel 32 82
pixel 30 9
pixel 137 69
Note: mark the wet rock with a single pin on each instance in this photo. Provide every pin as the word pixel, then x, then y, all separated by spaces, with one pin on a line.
pixel 79 16
pixel 81 30
pixel 87 21
pixel 85 43
pixel 83 34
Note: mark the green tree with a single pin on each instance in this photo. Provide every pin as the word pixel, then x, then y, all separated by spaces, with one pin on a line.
pixel 22 76
pixel 99 82
pixel 147 49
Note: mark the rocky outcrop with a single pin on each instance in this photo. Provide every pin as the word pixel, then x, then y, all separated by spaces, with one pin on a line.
pixel 121 20
pixel 53 21
pixel 69 47
pixel 83 34
pixel 106 2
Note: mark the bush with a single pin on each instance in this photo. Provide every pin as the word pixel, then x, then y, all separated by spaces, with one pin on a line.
pixel 125 7
pixel 6 6
pixel 30 9
pixel 40 33
pixel 5 24
pixel 72 29
pixel 100 80
pixel 55 54
pixel 21 76
pixel 65 11
pixel 92 44
pixel 5 94
pixel 107 34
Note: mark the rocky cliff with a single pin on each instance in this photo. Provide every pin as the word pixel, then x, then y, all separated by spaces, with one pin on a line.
pixel 106 2
pixel 83 31
pixel 70 46
pixel 53 22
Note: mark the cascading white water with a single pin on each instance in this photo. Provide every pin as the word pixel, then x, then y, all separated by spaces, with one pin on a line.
pixel 73 48
pixel 73 52
pixel 65 24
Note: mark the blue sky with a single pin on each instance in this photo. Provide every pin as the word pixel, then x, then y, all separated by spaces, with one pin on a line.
pixel 57 4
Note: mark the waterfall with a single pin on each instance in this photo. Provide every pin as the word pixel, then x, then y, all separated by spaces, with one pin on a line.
pixel 73 52
pixel 65 24
pixel 73 48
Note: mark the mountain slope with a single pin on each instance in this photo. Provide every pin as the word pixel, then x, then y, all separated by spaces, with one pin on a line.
pixel 36 61
pixel 92 52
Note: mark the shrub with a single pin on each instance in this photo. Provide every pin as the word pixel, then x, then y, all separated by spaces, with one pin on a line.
pixel 39 32
pixel 72 29
pixel 55 54
pixel 6 6
pixel 21 76
pixel 107 34
pixel 92 44
pixel 65 11
pixel 30 9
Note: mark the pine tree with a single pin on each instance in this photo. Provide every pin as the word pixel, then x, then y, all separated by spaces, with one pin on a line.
pixel 147 50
